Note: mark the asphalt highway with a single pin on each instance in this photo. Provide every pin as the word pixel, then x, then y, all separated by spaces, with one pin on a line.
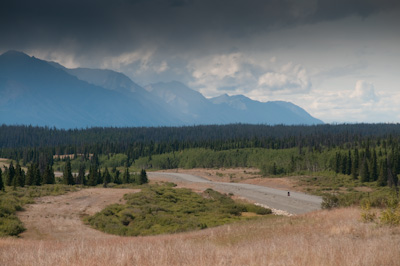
pixel 278 200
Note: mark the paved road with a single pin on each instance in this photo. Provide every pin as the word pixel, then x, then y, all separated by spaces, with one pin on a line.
pixel 297 203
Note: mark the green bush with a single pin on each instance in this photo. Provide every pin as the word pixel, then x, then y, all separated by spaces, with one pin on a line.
pixel 329 201
pixel 163 209
pixel 367 215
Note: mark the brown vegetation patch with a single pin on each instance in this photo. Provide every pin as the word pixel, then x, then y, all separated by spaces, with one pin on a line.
pixel 364 189
pixel 59 217
pixel 4 162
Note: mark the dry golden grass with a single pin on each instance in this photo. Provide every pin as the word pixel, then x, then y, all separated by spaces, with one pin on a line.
pixel 336 237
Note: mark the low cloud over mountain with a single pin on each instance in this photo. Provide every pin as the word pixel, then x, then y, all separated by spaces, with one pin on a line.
pixel 37 92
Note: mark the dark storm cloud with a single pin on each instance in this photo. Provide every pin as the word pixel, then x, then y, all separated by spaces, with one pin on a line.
pixel 117 26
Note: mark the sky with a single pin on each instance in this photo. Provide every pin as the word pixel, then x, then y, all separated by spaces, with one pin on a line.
pixel 337 59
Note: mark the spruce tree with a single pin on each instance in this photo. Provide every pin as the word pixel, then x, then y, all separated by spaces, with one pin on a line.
pixel 117 179
pixel 14 183
pixel 126 178
pixel 374 167
pixel 45 176
pixel 92 177
pixel 349 164
pixel 354 165
pixel 1 181
pixel 37 177
pixel 52 175
pixel 67 175
pixel 365 171
pixel 344 164
pixel 48 175
pixel 30 176
pixel 383 174
pixel 143 177
pixel 106 176
pixel 10 174
pixel 99 177
pixel 81 175
pixel 19 176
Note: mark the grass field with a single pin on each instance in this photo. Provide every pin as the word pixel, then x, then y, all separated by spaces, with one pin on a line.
pixel 326 237
pixel 336 237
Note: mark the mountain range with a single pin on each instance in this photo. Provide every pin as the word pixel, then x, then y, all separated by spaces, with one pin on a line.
pixel 38 92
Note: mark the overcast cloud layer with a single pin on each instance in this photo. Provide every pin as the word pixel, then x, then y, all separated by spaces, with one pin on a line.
pixel 337 59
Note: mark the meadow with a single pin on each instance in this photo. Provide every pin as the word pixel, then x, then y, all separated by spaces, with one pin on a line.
pixel 327 237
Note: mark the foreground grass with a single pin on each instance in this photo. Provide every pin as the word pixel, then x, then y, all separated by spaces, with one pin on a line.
pixel 162 209
pixel 335 237
pixel 13 200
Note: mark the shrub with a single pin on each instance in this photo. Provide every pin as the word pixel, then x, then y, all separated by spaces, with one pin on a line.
pixel 367 215
pixel 329 201
pixel 163 209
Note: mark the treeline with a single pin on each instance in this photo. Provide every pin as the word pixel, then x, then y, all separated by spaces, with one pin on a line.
pixel 366 151
pixel 97 176
pixel 379 164
pixel 367 164
pixel 39 144
pixel 16 176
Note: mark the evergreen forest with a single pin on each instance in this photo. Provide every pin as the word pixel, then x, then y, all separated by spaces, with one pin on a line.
pixel 92 156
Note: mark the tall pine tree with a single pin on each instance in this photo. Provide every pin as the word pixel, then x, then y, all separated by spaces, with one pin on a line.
pixel 30 176
pixel 19 176
pixel 10 174
pixel 117 179
pixel 349 164
pixel 355 164
pixel 81 179
pixel 383 173
pixel 365 171
pixel 374 167
pixel 143 177
pixel 1 181
pixel 48 175
pixel 126 178
pixel 106 176
pixel 92 177
pixel 37 177
pixel 67 175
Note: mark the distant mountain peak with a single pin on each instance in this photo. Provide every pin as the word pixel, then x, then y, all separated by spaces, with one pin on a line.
pixel 235 101
pixel 15 53
pixel 37 92
pixel 15 56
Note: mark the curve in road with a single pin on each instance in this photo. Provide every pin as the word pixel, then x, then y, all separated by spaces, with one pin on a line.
pixel 296 203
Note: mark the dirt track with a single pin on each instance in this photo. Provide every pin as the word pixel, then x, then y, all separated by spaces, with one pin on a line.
pixel 59 217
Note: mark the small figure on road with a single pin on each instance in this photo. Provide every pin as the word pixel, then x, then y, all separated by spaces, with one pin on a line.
pixel 288 193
